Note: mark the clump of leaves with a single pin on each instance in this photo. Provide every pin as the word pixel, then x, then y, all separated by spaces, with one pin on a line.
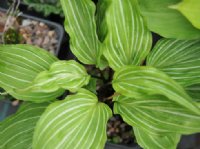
pixel 156 89
pixel 47 7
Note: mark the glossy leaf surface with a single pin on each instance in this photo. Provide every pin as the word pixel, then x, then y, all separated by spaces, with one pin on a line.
pixel 137 82
pixel 149 141
pixel 79 117
pixel 16 132
pixel 166 21
pixel 81 27
pixel 19 65
pixel 157 115
pixel 179 59
pixel 127 40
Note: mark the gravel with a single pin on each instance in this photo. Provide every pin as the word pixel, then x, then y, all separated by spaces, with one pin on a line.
pixel 34 33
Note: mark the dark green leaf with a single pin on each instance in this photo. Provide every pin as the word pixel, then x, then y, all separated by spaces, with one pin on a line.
pixel 92 85
pixel 194 92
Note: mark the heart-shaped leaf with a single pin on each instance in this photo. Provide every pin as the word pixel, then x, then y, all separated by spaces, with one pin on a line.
pixel 79 117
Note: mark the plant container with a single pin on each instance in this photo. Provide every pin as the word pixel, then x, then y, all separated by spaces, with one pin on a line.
pixel 52 25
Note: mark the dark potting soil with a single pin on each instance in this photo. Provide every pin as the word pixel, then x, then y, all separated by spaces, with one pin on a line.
pixel 118 131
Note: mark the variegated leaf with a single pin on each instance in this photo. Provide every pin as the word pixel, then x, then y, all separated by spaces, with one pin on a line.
pixel 127 40
pixel 19 65
pixel 68 75
pixel 149 141
pixel 81 26
pixel 180 59
pixel 16 132
pixel 194 92
pixel 139 81
pixel 157 115
pixel 79 117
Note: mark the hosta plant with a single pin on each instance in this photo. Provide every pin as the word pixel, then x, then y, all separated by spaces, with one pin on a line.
pixel 156 89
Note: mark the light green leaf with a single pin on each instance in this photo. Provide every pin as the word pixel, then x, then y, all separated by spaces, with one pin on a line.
pixel 127 40
pixel 180 59
pixel 19 65
pixel 157 115
pixel 16 132
pixel 79 117
pixel 165 21
pixel 149 141
pixel 68 75
pixel 137 82
pixel 191 10
pixel 81 26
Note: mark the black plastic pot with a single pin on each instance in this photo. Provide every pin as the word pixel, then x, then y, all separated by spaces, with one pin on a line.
pixel 57 27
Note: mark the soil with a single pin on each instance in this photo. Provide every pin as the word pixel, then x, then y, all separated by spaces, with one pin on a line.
pixel 34 33
pixel 118 131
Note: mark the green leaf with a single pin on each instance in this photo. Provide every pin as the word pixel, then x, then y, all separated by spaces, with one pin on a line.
pixel 92 85
pixel 167 22
pixel 127 40
pixel 19 65
pixel 191 10
pixel 45 7
pixel 194 92
pixel 157 115
pixel 68 75
pixel 149 141
pixel 81 26
pixel 16 132
pixel 102 29
pixel 77 122
pixel 180 59
pixel 137 82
